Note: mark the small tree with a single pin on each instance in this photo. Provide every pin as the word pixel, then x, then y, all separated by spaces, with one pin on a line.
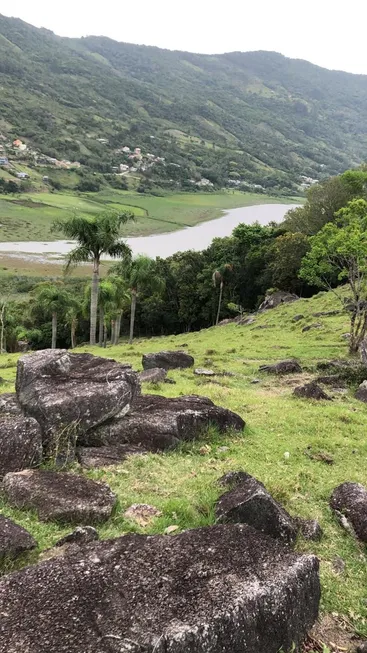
pixel 52 300
pixel 340 250
pixel 219 277
pixel 95 236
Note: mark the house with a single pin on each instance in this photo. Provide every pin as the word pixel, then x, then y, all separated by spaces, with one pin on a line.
pixel 17 143
pixel 104 141
pixel 204 182
pixel 137 151
pixel 4 161
pixel 123 167
pixel 126 149
pixel 22 175
pixel 45 178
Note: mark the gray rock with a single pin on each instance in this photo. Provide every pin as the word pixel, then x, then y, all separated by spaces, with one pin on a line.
pixel 169 360
pixel 310 391
pixel 200 371
pixel 81 535
pixel 276 298
pixel 220 589
pixel 71 393
pixel 361 392
pixel 20 443
pixel 310 528
pixel 158 423
pixel 244 321
pixel 233 478
pixel 249 502
pixel 308 327
pixel 14 540
pixel 154 375
pixel 9 404
pixel 298 317
pixel 59 496
pixel 349 502
pixel 327 313
pixel 94 457
pixel 290 366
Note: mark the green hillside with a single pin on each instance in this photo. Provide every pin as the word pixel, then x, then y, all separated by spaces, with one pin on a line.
pixel 253 117
pixel 182 483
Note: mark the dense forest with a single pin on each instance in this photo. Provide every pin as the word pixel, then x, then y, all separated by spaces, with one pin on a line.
pixel 185 292
pixel 257 118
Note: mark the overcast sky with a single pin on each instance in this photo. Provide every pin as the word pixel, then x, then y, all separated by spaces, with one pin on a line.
pixel 330 33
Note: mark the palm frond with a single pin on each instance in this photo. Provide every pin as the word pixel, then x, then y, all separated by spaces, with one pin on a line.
pixel 81 254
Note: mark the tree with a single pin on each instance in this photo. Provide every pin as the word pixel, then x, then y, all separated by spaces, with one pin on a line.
pixel 219 277
pixel 285 256
pixel 95 236
pixel 140 274
pixel 52 300
pixel 340 250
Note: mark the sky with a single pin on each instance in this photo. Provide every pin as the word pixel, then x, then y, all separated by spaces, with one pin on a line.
pixel 326 32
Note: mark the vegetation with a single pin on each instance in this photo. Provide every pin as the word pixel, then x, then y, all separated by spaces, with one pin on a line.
pixel 182 484
pixel 253 118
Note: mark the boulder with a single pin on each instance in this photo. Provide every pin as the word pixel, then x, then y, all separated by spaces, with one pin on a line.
pixel 283 367
pixel 244 321
pixel 9 404
pixel 349 502
pixel 308 327
pixel 249 502
pixel 361 392
pixel 153 375
pixel 81 535
pixel 276 298
pixel 59 496
pixel 92 457
pixel 20 443
pixel 233 478
pixel 158 423
pixel 310 528
pixel 14 540
pixel 310 391
pixel 298 317
pixel 71 393
pixel 201 371
pixel 169 360
pixel 220 589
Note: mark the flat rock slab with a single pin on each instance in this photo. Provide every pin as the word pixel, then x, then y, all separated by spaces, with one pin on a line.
pixel 60 496
pixel 249 502
pixel 349 502
pixel 157 423
pixel 70 393
pixel 283 367
pixel 20 443
pixel 221 589
pixel 9 404
pixel 153 375
pixel 169 360
pixel 14 540
pixel 93 457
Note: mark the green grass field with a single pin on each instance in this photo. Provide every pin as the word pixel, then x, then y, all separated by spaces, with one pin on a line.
pixel 30 216
pixel 182 483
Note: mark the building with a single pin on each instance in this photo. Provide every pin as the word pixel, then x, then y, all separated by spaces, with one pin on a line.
pixel 137 151
pixel 126 149
pixel 22 175
pixel 123 167
pixel 4 161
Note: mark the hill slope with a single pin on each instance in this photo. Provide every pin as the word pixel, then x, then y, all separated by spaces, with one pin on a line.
pixel 182 483
pixel 267 115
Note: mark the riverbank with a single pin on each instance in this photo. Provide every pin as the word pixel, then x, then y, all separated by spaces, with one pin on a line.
pixel 29 217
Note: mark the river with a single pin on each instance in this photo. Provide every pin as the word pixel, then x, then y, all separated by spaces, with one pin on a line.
pixel 163 245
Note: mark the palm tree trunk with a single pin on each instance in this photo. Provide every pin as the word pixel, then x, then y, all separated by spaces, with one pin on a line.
pixel 132 316
pixel 101 326
pixel 219 302
pixel 94 303
pixel 54 330
pixel 72 333
pixel 118 329
pixel 2 337
pixel 105 335
pixel 113 331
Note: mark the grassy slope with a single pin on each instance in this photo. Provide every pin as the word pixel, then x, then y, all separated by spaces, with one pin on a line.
pixel 30 216
pixel 182 483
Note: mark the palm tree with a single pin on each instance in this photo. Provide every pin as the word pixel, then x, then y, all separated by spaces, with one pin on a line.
pixel 219 277
pixel 95 236
pixel 121 296
pixel 53 300
pixel 140 274
pixel 106 300
pixel 72 314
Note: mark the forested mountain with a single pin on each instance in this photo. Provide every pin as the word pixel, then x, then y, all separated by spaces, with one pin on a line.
pixel 255 116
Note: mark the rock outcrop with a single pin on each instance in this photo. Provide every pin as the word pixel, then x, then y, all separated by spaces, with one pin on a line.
pixel 361 392
pixel 92 457
pixel 349 502
pixel 157 423
pixel 290 366
pixel 153 375
pixel 20 443
pixel 59 496
pixel 14 540
pixel 276 298
pixel 70 393
pixel 169 360
pixel 221 589
pixel 310 391
pixel 249 502
pixel 9 404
